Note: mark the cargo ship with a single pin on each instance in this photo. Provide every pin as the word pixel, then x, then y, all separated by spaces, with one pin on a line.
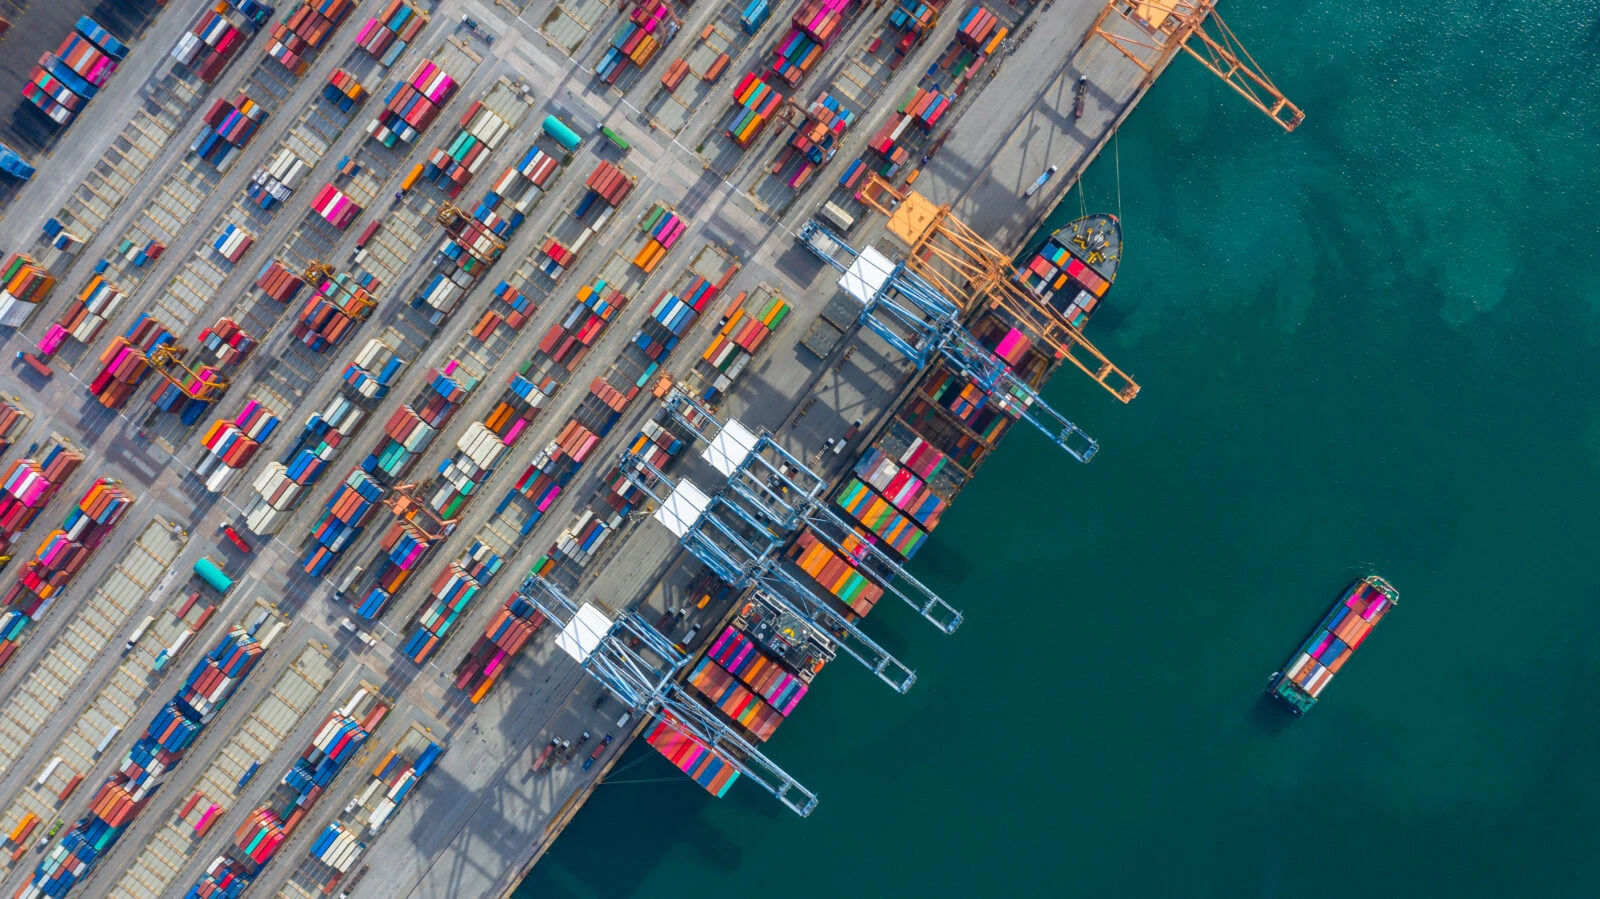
pixel 1344 629
pixel 1074 267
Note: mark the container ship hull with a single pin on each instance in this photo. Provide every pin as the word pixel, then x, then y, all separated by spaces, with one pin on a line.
pixel 1074 267
pixel 1346 626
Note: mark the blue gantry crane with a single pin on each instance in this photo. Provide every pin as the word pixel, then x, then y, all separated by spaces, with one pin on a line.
pixel 923 324
pixel 744 550
pixel 771 483
pixel 640 666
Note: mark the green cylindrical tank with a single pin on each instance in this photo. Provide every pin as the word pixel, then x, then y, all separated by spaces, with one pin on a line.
pixel 563 135
pixel 211 573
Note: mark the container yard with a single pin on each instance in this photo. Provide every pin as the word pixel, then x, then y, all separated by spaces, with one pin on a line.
pixel 426 388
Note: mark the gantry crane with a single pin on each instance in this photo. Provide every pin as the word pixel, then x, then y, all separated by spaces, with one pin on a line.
pixel 212 383
pixel 317 273
pixel 924 323
pixel 453 217
pixel 403 502
pixel 768 481
pixel 974 275
pixel 744 551
pixel 1151 32
pixel 640 667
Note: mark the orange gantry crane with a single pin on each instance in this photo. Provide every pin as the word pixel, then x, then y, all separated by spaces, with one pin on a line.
pixel 968 270
pixel 356 302
pixel 1151 32
pixel 455 219
pixel 404 503
pixel 205 383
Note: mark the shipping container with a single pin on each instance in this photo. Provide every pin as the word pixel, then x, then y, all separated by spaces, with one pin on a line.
pixel 212 574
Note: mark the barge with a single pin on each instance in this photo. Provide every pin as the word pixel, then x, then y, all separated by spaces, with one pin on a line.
pixel 1332 643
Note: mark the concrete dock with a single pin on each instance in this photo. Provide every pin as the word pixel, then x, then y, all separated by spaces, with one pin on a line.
pixel 480 819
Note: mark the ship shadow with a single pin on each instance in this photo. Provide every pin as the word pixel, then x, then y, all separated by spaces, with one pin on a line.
pixel 1269 716
pixel 587 864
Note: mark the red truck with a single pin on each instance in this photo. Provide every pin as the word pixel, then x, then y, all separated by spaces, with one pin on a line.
pixel 235 539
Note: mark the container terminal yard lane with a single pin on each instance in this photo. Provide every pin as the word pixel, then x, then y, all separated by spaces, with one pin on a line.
pixel 480 818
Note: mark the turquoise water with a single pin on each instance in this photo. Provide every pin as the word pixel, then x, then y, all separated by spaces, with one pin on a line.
pixel 1366 346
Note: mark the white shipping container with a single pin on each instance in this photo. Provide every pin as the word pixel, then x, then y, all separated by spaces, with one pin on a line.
pixel 272 634
pixel 48 770
pixel 14 312
pixel 105 741
pixel 223 478
pixel 380 815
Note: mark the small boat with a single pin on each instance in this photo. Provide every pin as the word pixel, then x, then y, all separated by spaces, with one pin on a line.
pixel 1342 631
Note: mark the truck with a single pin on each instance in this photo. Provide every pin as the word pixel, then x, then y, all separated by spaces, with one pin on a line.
pixel 598 751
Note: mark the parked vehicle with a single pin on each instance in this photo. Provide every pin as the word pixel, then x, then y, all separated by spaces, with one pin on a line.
pixel 35 363
pixel 475 28
pixel 1040 182
pixel 1083 93
pixel 598 751
pixel 568 750
pixel 541 762
pixel 234 538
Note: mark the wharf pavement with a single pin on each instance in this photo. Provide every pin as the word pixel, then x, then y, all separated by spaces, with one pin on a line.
pixel 480 819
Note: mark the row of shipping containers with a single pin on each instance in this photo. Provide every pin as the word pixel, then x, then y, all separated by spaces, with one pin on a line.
pixel 330 314
pixel 97 303
pixel 215 38
pixel 230 124
pixel 406 435
pixel 814 26
pixel 151 759
pixel 29 485
pixel 451 166
pixel 663 228
pixel 394 779
pixel 282 485
pixel 648 27
pixel 412 104
pixel 755 102
pixel 743 333
pixel 64 82
pixel 705 767
pixel 14 420
pixel 60 556
pixel 507 633
pixel 306 28
pixel 125 361
pixel 225 342
pixel 267 827
pixel 274 182
pixel 231 444
pixel 24 284
pixel 348 511
pixel 387 34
